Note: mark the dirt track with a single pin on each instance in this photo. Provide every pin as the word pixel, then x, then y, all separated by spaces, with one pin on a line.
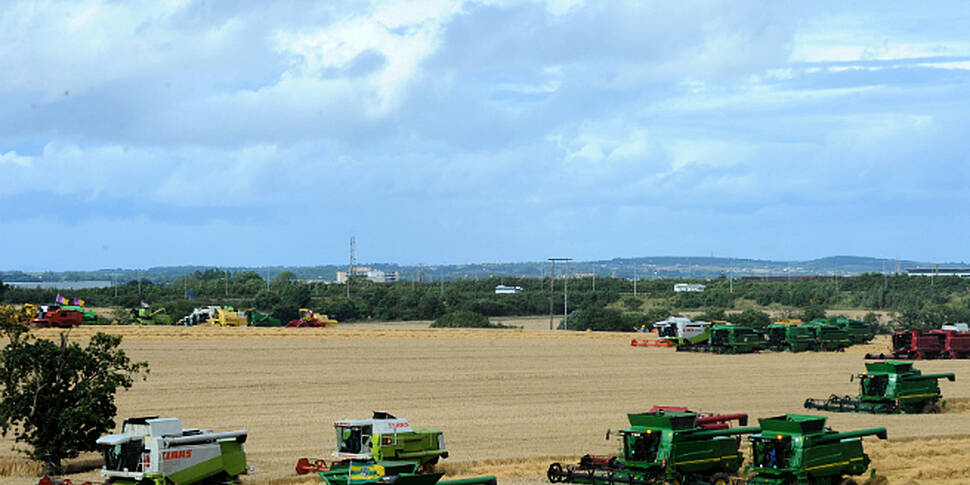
pixel 509 401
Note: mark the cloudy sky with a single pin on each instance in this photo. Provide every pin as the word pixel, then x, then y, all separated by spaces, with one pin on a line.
pixel 147 133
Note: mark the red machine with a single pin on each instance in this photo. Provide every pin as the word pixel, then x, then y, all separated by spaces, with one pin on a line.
pixel 310 319
pixel 956 345
pixel 59 318
pixel 54 481
pixel 708 421
pixel 934 344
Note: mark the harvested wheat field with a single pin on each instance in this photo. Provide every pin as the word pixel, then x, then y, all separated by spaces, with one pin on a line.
pixel 509 401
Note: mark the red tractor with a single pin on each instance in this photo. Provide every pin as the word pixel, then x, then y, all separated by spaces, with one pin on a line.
pixel 58 317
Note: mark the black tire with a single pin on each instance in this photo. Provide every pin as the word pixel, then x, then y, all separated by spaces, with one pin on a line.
pixel 931 408
pixel 554 473
pixel 720 479
pixel 848 481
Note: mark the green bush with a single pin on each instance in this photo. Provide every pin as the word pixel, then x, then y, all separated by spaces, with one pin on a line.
pixel 599 319
pixel 464 319
pixel 751 318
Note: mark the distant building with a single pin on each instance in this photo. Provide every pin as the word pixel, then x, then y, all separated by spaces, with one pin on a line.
pixel 961 272
pixel 506 290
pixel 375 275
pixel 682 287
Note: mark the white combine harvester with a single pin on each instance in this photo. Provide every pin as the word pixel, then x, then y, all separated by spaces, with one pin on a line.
pixel 153 450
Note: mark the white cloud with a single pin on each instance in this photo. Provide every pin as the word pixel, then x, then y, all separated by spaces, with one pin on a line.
pixel 11 157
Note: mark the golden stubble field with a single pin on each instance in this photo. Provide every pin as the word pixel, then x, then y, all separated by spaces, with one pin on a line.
pixel 509 401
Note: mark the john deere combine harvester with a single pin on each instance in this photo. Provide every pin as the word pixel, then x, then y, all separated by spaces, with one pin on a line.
pixel 662 447
pixel 790 335
pixel 889 387
pixel 153 451
pixel 384 449
pixel 671 447
pixel 859 332
pixel 796 449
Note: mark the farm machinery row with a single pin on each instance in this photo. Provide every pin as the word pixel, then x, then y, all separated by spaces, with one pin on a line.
pixel 680 446
pixel 786 335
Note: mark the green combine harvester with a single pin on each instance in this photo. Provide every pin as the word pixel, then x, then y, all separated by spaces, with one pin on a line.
pixel 664 447
pixel 859 332
pixel 256 319
pixel 735 339
pixel 145 316
pixel 792 338
pixel 829 337
pixel 889 387
pixel 384 449
pixel 153 451
pixel 796 449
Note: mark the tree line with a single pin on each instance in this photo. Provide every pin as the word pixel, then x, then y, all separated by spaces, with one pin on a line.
pixel 916 302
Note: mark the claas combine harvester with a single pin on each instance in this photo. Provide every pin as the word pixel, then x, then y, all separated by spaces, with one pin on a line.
pixel 674 447
pixel 153 451
pixel 889 387
pixel 384 449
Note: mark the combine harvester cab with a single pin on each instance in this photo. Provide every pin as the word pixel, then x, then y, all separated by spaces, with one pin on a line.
pixel 664 447
pixel 735 339
pixel 796 449
pixel 791 336
pixel 887 388
pixel 159 451
pixel 384 449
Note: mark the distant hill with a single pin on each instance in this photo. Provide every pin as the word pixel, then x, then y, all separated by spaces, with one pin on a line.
pixel 676 267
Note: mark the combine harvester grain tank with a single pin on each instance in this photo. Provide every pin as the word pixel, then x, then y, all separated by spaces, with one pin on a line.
pixel 888 388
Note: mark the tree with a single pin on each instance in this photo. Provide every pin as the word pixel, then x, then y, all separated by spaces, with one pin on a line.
pixel 752 318
pixel 58 398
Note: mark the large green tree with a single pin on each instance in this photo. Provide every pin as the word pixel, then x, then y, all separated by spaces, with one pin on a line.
pixel 59 397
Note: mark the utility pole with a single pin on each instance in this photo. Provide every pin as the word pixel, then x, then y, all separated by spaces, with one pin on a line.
pixel 594 281
pixel 565 298
pixel 552 275
pixel 227 283
pixel 635 277
pixel 350 266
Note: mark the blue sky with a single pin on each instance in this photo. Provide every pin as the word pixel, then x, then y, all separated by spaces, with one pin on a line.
pixel 149 133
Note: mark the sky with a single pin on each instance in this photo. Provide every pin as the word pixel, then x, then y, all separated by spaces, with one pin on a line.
pixel 250 133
